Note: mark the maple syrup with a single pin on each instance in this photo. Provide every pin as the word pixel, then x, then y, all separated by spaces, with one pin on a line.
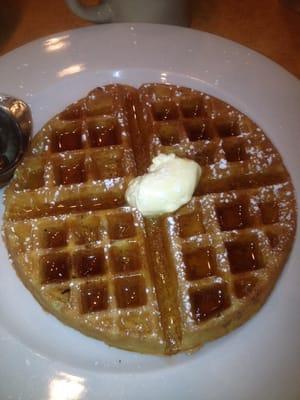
pixel 243 256
pixel 68 140
pixel 164 111
pixel 130 292
pixel 235 152
pixel 72 173
pixel 94 297
pixel 55 268
pixel 269 213
pixel 89 262
pixel 232 216
pixel 102 201
pixel 227 128
pixel 197 130
pixel 190 224
pixel 168 135
pixel 103 133
pixel 53 237
pixel 121 226
pixel 192 108
pixel 126 258
pixel 87 230
pixel 199 263
pixel 209 302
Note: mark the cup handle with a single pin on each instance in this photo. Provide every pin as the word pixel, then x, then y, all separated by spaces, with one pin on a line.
pixel 100 13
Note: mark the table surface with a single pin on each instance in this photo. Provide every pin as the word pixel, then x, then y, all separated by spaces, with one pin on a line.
pixel 267 26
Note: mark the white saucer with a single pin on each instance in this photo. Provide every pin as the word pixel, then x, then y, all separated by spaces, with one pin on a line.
pixel 43 359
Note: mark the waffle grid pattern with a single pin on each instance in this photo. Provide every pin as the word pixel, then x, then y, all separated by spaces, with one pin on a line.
pixel 85 255
pixel 222 256
pixel 94 263
pixel 227 244
pixel 79 164
pixel 232 151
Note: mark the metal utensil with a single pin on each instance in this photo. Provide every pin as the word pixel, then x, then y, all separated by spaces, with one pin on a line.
pixel 15 132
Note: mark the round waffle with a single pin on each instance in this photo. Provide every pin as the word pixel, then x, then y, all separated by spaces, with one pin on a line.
pixel 157 285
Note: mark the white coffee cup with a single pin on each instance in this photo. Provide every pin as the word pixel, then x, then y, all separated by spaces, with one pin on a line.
pixel 172 12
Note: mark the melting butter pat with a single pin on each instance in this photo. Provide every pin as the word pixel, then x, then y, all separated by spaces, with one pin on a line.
pixel 169 184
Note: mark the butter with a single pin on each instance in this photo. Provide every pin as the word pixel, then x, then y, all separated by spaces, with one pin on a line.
pixel 169 184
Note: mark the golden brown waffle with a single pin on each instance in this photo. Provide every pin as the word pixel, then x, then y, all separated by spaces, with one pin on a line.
pixel 157 285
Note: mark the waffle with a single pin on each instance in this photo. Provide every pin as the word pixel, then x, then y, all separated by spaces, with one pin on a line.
pixel 156 285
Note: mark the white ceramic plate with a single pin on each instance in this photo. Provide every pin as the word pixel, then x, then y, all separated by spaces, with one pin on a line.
pixel 43 359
